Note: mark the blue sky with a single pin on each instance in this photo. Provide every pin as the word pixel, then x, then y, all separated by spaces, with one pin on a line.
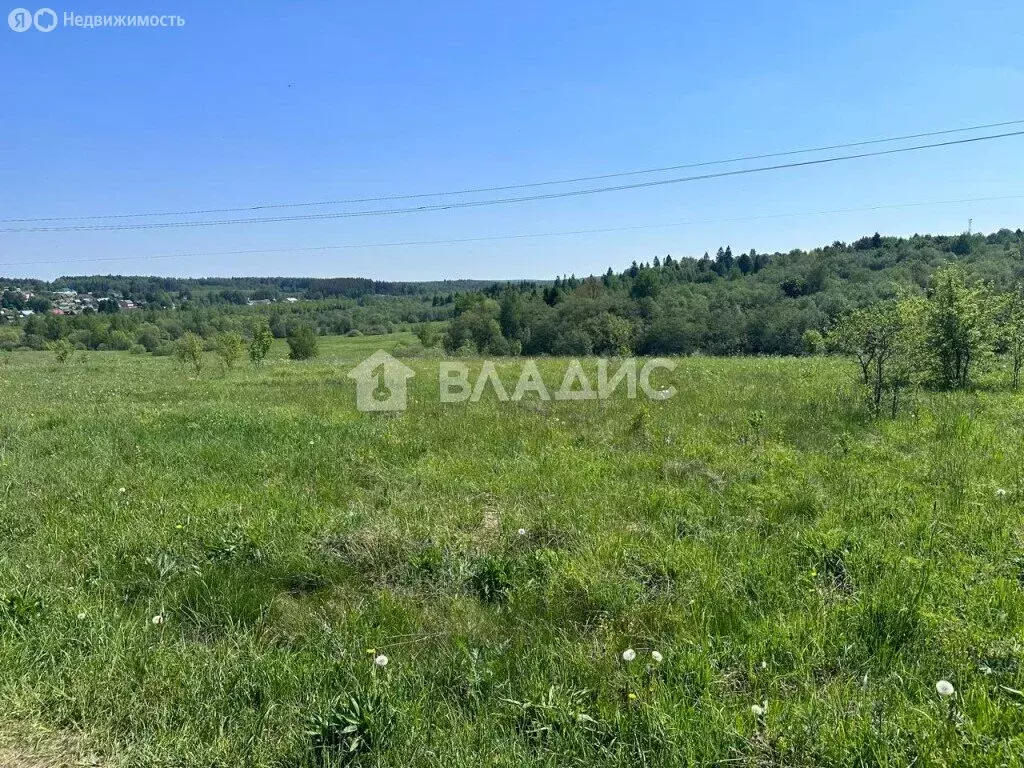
pixel 260 103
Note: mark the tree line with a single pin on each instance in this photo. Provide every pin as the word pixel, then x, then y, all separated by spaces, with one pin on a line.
pixel 776 304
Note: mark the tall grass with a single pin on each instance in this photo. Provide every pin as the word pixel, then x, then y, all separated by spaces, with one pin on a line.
pixel 769 540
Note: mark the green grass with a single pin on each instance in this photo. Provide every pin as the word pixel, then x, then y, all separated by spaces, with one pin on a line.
pixel 759 531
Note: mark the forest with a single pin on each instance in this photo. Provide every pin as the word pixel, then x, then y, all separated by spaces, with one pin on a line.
pixel 726 304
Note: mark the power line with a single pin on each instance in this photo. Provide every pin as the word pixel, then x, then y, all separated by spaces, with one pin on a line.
pixel 500 201
pixel 487 238
pixel 531 185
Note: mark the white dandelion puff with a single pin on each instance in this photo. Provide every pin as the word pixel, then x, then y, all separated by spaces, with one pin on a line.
pixel 121 490
pixel 381 661
pixel 658 658
pixel 522 531
pixel 945 688
pixel 628 655
pixel 759 710
pixel 1000 492
pixel 157 620
pixel 81 616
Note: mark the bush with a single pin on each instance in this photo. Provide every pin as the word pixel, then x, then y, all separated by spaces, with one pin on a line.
pixel 120 341
pixel 302 343
pixel 262 339
pixel 813 342
pixel 229 348
pixel 62 350
pixel 149 336
pixel 35 342
pixel 189 351
pixel 428 334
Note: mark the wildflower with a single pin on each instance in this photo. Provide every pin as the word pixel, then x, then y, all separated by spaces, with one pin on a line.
pixel 81 616
pixel 656 655
pixel 632 696
pixel 522 531
pixel 945 688
pixel 628 655
pixel 759 710
pixel 158 620
pixel 1000 492
pixel 381 661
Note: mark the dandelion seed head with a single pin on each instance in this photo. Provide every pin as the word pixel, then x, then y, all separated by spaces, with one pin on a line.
pixel 121 490
pixel 81 616
pixel 945 688
pixel 757 710
pixel 628 655
pixel 656 655
pixel 157 620
pixel 1000 492
pixel 381 661
pixel 522 531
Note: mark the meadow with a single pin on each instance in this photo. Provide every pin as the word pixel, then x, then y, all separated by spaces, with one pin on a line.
pixel 240 569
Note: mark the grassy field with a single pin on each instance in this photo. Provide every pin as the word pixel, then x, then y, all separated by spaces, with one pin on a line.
pixel 201 571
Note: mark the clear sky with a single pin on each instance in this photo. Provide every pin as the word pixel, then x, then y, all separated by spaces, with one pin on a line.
pixel 259 103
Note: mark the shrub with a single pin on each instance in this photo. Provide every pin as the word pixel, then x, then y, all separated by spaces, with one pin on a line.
pixel 120 341
pixel 149 336
pixel 35 342
pixel 262 338
pixel 189 351
pixel 62 350
pixel 812 342
pixel 428 334
pixel 302 343
pixel 229 348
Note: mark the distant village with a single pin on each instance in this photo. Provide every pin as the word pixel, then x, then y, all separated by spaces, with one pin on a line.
pixel 17 303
